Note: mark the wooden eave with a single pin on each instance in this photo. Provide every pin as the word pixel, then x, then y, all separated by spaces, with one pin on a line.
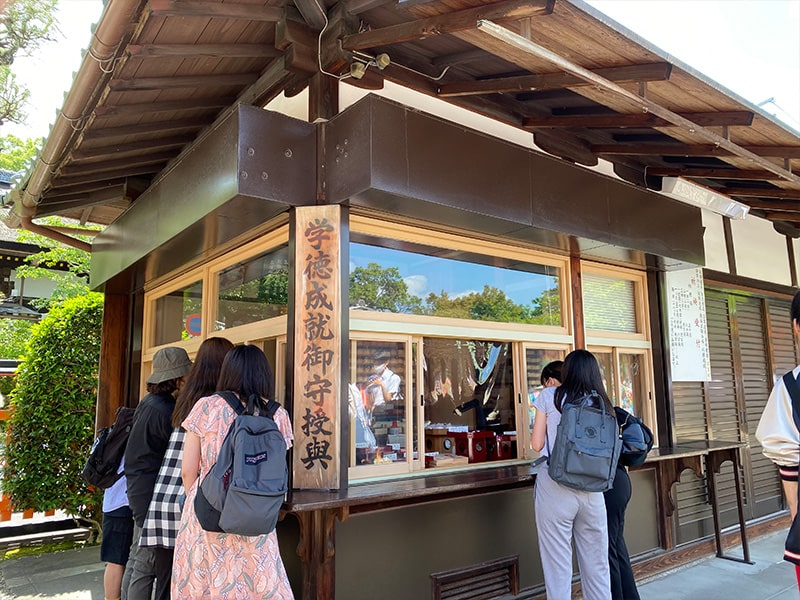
pixel 584 88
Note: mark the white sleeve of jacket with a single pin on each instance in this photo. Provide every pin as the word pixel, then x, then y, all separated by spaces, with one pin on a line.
pixel 776 432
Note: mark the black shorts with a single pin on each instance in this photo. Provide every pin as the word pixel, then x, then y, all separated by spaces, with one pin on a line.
pixel 117 536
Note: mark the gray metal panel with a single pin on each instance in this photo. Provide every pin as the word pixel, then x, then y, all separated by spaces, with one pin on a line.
pixel 386 156
pixel 250 167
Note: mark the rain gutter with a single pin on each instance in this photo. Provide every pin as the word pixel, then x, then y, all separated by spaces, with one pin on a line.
pixel 116 23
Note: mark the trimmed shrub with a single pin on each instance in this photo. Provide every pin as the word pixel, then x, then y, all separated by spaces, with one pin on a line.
pixel 52 426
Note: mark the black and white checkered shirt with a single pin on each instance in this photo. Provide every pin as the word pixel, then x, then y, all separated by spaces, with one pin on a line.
pixel 164 514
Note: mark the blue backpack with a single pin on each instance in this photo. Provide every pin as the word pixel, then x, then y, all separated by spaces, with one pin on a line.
pixel 245 489
pixel 587 446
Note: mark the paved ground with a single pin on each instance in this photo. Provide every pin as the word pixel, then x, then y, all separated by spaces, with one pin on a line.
pixel 78 575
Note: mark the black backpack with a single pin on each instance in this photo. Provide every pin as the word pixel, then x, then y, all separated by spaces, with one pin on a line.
pixel 245 489
pixel 637 439
pixel 106 453
pixel 586 449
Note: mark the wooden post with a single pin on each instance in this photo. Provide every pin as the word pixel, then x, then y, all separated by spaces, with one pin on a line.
pixel 316 347
pixel 113 358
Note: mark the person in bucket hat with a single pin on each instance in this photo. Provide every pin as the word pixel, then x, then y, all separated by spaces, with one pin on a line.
pixel 147 444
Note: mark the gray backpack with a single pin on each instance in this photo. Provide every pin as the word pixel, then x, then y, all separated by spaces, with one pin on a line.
pixel 244 490
pixel 586 449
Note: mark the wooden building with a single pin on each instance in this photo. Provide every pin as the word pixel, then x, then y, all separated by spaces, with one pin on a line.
pixel 462 191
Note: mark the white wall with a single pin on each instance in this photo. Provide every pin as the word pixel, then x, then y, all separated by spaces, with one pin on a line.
pixel 760 251
pixel 714 242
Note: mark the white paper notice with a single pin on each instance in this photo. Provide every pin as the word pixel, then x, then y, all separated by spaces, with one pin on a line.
pixel 686 321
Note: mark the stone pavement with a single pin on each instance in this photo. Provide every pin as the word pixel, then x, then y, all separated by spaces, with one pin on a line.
pixel 78 575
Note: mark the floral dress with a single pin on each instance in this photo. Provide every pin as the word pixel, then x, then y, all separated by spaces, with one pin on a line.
pixel 221 565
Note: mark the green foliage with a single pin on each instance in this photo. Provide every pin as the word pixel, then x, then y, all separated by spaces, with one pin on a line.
pixel 69 283
pixel 52 425
pixel 24 25
pixel 382 289
pixel 14 334
pixel 15 153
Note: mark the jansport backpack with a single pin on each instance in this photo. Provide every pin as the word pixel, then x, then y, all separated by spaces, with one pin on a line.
pixel 106 453
pixel 244 490
pixel 586 449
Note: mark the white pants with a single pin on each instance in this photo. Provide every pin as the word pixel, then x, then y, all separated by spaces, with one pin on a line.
pixel 561 515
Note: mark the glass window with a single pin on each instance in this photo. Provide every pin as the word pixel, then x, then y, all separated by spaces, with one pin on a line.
pixel 469 402
pixel 178 314
pixel 629 389
pixel 379 424
pixel 253 290
pixel 424 280
pixel 609 303
pixel 535 361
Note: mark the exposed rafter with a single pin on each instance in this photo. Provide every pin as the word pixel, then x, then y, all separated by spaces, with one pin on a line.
pixel 196 81
pixel 100 134
pixel 499 37
pixel 229 10
pixel 773 204
pixel 162 107
pixel 677 149
pixel 647 72
pixel 637 120
pixel 711 173
pixel 203 50
pixel 79 168
pixel 132 147
pixel 763 193
pixel 446 23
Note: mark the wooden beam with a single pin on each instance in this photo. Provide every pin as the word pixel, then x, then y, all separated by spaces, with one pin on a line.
pixel 756 152
pixel 78 168
pixel 773 204
pixel 193 81
pixel 118 150
pixel 501 37
pixel 636 120
pixel 447 23
pixel 711 173
pixel 203 50
pixel 125 172
pixel 99 133
pixel 72 191
pixel 312 12
pixel 355 7
pixel 229 10
pixel 778 216
pixel 459 58
pixel 762 193
pixel 166 106
pixel 545 81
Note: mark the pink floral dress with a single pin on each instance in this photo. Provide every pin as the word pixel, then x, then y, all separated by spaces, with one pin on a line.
pixel 220 565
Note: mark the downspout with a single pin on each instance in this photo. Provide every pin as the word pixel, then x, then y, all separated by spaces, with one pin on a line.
pixel 116 22
pixel 28 224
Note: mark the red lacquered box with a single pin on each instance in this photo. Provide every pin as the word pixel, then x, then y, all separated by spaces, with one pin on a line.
pixel 475 445
pixel 506 446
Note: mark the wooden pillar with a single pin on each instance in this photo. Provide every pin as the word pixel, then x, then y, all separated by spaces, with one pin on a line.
pixel 113 358
pixel 576 282
pixel 316 550
pixel 316 347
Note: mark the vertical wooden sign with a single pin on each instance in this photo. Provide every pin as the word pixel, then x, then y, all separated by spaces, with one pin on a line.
pixel 317 347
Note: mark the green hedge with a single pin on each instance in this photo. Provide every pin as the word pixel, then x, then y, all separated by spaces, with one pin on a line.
pixel 52 425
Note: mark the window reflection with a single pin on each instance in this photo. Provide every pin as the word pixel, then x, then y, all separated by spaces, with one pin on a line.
pixel 377 403
pixel 177 314
pixel 448 283
pixel 253 290
pixel 469 400
pixel 535 360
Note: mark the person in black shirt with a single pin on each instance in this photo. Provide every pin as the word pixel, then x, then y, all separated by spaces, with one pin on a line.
pixel 147 443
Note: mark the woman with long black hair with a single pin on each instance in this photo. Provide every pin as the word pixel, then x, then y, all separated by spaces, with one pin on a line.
pixel 562 513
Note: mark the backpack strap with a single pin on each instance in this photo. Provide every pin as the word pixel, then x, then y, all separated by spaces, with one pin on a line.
pixel 794 391
pixel 272 408
pixel 233 401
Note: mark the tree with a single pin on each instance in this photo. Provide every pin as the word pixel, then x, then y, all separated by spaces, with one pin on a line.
pixel 15 153
pixel 52 425
pixel 14 334
pixel 24 25
pixel 381 288
pixel 41 265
